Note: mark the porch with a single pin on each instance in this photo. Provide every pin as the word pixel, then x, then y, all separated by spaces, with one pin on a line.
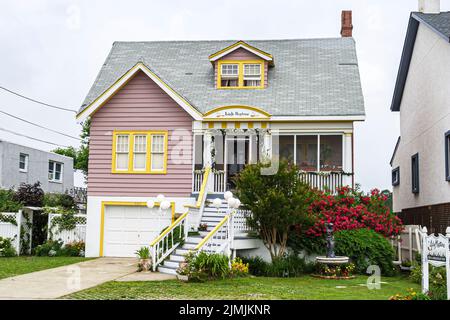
pixel 325 159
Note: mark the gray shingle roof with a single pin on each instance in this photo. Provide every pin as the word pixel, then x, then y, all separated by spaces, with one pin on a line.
pixel 311 77
pixel 439 22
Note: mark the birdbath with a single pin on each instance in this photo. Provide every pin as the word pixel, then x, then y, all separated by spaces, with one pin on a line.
pixel 331 260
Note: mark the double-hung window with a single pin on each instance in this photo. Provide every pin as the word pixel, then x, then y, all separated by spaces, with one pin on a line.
pixel 139 152
pixel 229 75
pixel 55 171
pixel 23 162
pixel 396 176
pixel 252 75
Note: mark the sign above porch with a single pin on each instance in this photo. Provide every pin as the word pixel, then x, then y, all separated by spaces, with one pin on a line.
pixel 236 113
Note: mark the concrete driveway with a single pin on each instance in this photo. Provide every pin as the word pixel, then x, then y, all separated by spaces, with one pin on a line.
pixel 57 282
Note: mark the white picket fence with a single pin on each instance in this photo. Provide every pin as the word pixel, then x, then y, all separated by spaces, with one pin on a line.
pixel 13 230
pixel 67 236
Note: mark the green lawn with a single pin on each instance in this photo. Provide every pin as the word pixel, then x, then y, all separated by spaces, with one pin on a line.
pixel 14 266
pixel 305 287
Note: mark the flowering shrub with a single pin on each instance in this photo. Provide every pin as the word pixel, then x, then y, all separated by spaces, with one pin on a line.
pixel 337 271
pixel 238 268
pixel 411 295
pixel 6 248
pixel 352 209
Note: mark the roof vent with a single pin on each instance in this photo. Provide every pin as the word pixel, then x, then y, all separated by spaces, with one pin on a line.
pixel 430 6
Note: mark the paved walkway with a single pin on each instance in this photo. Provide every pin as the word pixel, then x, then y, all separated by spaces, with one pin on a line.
pixel 58 282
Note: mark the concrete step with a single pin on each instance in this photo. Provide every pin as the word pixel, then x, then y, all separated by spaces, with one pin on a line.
pixel 167 270
pixel 171 264
pixel 193 239
pixel 189 246
pixel 208 219
pixel 176 257
pixel 181 252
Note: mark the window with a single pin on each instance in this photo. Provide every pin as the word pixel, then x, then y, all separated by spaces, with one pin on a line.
pixel 55 171
pixel 229 75
pixel 396 176
pixel 415 173
pixel 139 152
pixel 252 75
pixel 239 74
pixel 157 152
pixel 306 151
pixel 23 162
pixel 447 155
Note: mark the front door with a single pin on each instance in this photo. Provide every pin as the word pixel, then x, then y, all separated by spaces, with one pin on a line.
pixel 237 151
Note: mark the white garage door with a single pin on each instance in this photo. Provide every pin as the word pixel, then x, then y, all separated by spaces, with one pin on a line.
pixel 128 228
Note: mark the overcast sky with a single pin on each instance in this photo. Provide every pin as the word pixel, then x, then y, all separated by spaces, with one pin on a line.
pixel 52 51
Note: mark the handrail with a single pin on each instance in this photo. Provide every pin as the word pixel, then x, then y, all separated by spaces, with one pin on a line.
pixel 172 226
pixel 202 192
pixel 212 232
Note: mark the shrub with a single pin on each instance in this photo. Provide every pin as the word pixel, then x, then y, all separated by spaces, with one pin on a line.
pixel 365 247
pixel 30 194
pixel 437 280
pixel 6 248
pixel 8 203
pixel 239 268
pixel 62 200
pixel 205 266
pixel 286 266
pixel 411 295
pixel 73 249
pixel 343 270
pixel 50 248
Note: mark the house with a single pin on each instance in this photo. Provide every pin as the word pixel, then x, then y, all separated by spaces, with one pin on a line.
pixel 182 118
pixel 21 164
pixel 421 162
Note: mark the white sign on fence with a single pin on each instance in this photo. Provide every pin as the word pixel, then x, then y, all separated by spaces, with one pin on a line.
pixel 435 251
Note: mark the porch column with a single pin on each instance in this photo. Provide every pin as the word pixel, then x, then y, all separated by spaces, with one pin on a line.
pixel 348 158
pixel 267 144
pixel 207 160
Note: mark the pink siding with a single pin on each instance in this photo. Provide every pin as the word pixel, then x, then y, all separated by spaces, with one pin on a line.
pixel 139 105
pixel 241 54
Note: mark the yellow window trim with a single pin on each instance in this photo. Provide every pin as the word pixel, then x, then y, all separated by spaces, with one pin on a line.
pixel 148 167
pixel 123 203
pixel 240 64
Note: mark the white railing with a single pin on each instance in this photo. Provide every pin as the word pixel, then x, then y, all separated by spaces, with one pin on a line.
pixel 66 236
pixel 219 181
pixel 240 224
pixel 325 181
pixel 167 242
pixel 197 180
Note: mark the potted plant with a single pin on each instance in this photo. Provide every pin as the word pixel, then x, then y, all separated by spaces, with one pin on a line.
pixel 202 227
pixel 183 271
pixel 145 261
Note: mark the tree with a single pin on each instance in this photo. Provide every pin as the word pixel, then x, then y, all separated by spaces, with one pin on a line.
pixel 278 202
pixel 81 155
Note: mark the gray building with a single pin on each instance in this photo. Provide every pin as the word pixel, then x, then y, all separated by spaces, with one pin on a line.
pixel 20 164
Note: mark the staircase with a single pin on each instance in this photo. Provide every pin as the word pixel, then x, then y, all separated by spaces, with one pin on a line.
pixel 211 217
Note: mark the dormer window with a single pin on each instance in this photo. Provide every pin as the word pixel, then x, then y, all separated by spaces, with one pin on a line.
pixel 252 75
pixel 229 75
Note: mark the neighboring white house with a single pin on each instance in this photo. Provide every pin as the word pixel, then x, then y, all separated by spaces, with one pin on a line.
pixel 21 164
pixel 421 162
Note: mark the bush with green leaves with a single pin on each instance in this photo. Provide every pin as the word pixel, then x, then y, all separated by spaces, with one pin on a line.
pixel 62 200
pixel 278 201
pixel 437 280
pixel 366 247
pixel 30 194
pixel 8 203
pixel 289 265
pixel 56 248
pixel 73 249
pixel 204 266
pixel 6 248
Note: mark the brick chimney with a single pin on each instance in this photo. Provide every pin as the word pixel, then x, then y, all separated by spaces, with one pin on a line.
pixel 346 23
pixel 430 6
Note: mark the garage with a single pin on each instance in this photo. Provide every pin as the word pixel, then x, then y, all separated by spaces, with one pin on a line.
pixel 128 228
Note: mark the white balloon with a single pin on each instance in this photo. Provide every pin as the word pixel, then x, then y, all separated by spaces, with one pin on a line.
pixel 228 195
pixel 165 205
pixel 160 197
pixel 231 201
pixel 236 203
pixel 150 204
pixel 217 202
